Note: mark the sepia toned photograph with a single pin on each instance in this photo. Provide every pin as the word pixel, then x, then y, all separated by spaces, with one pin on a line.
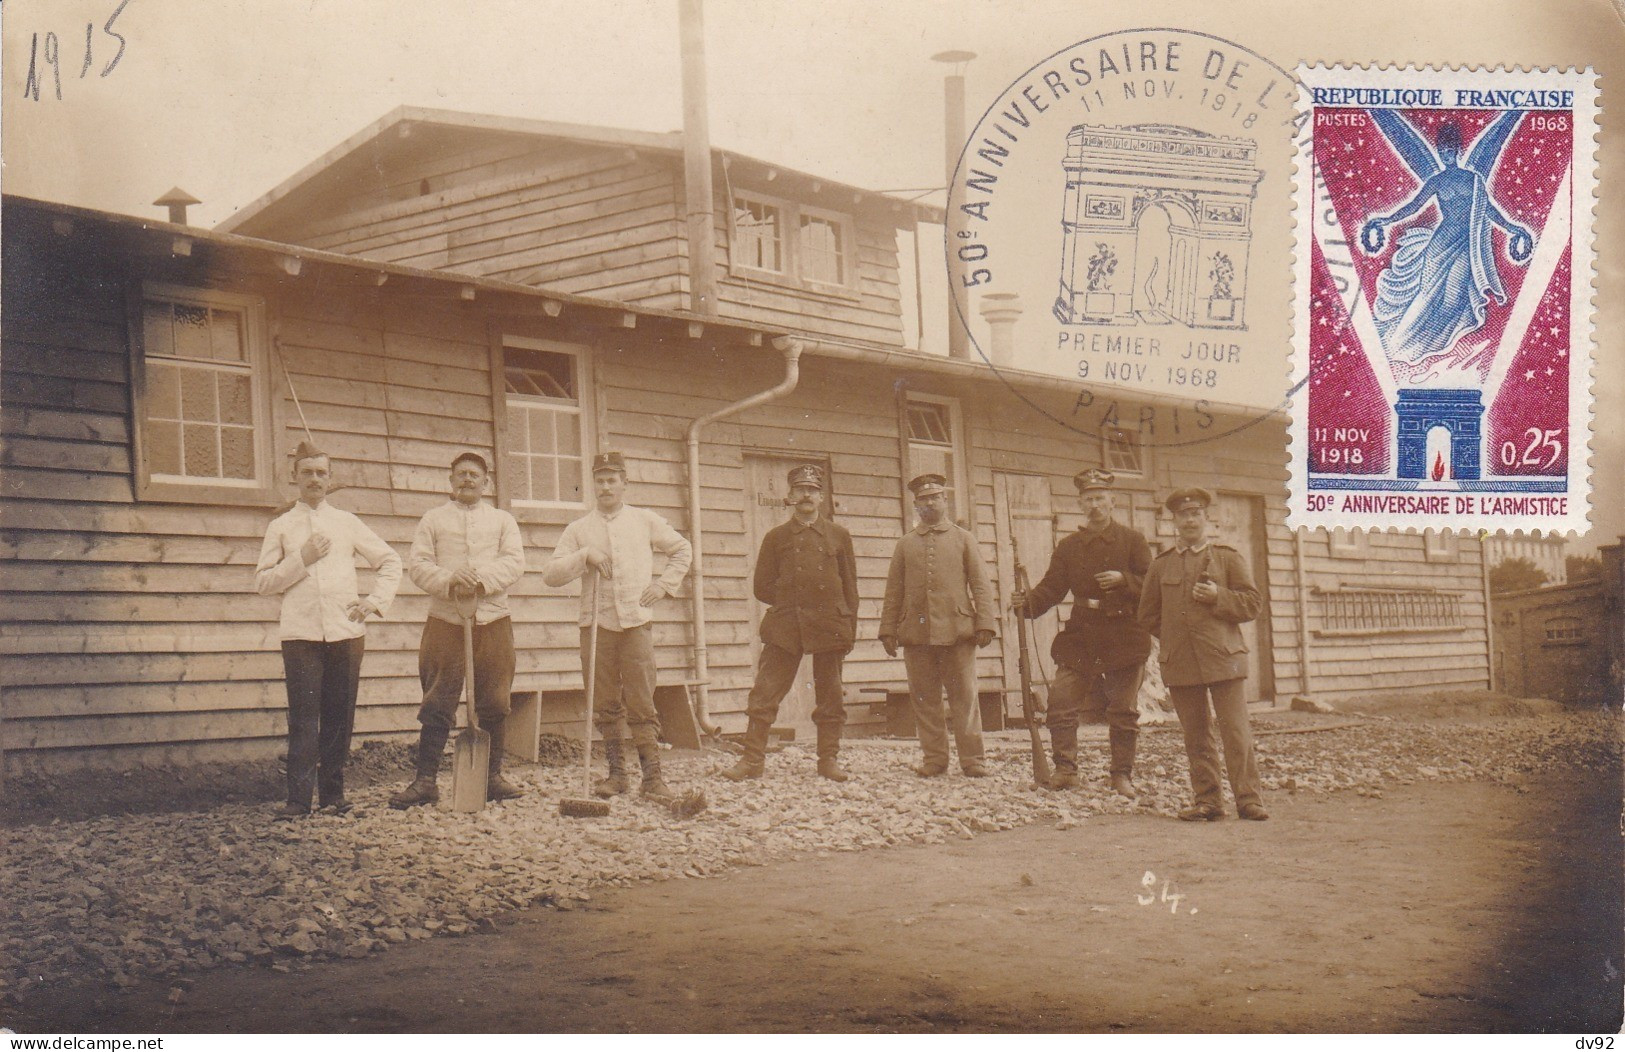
pixel 471 479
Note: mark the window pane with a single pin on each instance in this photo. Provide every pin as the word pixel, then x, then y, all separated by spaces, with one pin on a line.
pixel 236 404
pixel 163 392
pixel 197 395
pixel 570 478
pixel 544 374
pixel 541 431
pixel 157 329
pixel 923 459
pixel 543 484
pixel 569 432
pixel 202 451
pixel 192 332
pixel 237 452
pixel 163 448
pixel 756 235
pixel 821 258
pixel 226 335
pixel 928 422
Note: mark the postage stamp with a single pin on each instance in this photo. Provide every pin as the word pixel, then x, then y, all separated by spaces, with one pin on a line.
pixel 1124 196
pixel 1442 338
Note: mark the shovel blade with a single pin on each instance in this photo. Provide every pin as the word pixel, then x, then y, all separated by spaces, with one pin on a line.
pixel 470 764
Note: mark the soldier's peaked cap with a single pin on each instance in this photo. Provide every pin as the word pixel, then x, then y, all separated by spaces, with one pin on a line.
pixel 928 485
pixel 611 461
pixel 1093 478
pixel 806 475
pixel 1189 497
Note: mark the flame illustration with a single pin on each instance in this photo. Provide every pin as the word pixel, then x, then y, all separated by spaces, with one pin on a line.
pixel 1438 466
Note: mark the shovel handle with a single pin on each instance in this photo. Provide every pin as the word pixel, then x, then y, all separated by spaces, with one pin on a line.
pixel 592 677
pixel 467 604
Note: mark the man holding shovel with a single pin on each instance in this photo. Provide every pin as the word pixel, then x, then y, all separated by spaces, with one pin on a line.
pixel 618 542
pixel 464 550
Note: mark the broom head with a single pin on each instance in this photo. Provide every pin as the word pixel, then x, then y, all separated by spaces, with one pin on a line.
pixel 578 808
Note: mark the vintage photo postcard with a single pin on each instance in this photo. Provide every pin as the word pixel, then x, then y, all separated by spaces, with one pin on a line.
pixel 730 517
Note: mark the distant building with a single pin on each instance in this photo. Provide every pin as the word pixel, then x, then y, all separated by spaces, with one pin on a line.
pixel 1549 554
pixel 1565 642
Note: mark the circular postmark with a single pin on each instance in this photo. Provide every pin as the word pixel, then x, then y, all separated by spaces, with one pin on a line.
pixel 1121 218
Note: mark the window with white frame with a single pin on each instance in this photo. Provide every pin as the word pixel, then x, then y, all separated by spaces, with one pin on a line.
pixel 935 444
pixel 547 423
pixel 202 403
pixel 791 243
pixel 822 247
pixel 1123 449
pixel 758 235
pixel 1564 629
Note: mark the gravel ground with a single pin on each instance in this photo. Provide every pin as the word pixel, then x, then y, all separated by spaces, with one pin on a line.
pixel 128 898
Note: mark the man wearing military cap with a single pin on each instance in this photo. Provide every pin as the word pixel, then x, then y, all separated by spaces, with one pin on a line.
pixel 940 607
pixel 1197 595
pixel 619 541
pixel 807 574
pixel 1100 654
pixel 464 551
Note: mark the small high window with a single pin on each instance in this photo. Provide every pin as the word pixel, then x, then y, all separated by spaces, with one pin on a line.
pixel 545 459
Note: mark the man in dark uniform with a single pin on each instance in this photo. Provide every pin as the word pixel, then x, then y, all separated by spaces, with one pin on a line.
pixel 1197 596
pixel 808 576
pixel 1100 654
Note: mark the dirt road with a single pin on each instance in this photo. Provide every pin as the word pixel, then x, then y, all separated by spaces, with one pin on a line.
pixel 1455 907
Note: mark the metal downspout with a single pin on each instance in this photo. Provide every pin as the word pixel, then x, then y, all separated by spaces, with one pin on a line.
pixel 702 670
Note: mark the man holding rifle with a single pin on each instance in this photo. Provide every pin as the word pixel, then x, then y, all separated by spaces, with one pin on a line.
pixel 1100 654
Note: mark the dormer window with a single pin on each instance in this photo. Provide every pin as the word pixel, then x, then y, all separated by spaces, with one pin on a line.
pixel 787 243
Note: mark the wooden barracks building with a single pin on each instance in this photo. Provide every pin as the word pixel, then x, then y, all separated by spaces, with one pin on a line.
pixel 444 281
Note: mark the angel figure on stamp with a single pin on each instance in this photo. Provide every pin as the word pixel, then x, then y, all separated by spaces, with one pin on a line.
pixel 1435 289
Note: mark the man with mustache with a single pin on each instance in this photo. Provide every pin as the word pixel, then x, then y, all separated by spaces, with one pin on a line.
pixel 1100 654
pixel 308 558
pixel 619 541
pixel 464 550
pixel 939 606
pixel 1197 596
pixel 807 574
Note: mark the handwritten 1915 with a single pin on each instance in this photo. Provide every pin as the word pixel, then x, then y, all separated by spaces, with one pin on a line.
pixel 45 56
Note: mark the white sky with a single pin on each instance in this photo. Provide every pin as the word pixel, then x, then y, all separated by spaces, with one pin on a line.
pixel 226 98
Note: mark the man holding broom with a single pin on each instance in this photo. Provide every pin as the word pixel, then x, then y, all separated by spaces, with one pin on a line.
pixel 464 551
pixel 618 542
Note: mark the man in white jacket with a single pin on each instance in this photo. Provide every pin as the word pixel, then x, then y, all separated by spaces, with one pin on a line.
pixel 464 550
pixel 308 558
pixel 619 541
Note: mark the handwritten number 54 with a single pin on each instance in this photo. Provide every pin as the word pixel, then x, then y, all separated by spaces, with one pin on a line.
pixel 1170 896
pixel 51 53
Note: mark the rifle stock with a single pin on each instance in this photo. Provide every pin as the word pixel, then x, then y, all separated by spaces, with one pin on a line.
pixel 1029 706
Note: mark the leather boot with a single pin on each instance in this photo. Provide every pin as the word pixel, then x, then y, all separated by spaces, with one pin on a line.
pixel 1064 745
pixel 653 785
pixel 1123 742
pixel 423 790
pixel 829 748
pixel 615 784
pixel 752 763
pixel 496 786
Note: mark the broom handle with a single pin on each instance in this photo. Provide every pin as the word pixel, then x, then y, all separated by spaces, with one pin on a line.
pixel 592 677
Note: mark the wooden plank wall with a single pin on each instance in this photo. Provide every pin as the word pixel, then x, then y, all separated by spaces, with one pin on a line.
pixel 590 221
pixel 1352 666
pixel 570 218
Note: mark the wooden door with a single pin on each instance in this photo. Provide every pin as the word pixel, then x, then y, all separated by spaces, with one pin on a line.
pixel 1240 524
pixel 765 491
pixel 1024 523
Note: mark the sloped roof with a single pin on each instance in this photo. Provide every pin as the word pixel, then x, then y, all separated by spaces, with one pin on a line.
pixel 408 132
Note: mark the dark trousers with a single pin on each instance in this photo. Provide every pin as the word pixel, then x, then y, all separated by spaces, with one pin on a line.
pixel 931 670
pixel 1229 713
pixel 440 671
pixel 776 674
pixel 1114 693
pixel 623 693
pixel 322 678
